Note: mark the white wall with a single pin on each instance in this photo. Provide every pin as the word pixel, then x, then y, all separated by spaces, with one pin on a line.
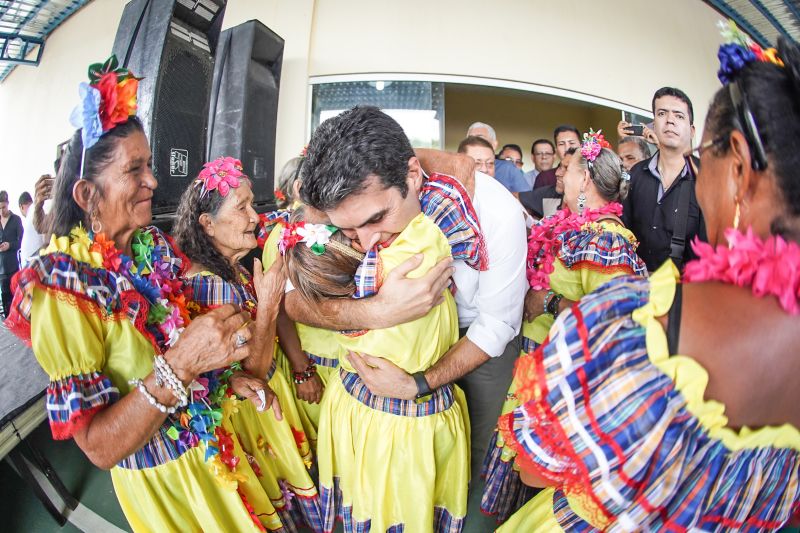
pixel 621 50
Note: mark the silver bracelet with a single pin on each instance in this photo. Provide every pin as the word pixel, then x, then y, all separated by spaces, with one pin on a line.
pixel 152 399
pixel 166 376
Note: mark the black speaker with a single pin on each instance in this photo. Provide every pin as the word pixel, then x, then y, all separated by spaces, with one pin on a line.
pixel 171 45
pixel 244 102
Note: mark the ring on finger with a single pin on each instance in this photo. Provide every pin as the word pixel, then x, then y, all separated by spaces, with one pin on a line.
pixel 244 324
pixel 241 340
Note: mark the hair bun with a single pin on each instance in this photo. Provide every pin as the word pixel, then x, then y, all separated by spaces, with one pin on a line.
pixel 789 53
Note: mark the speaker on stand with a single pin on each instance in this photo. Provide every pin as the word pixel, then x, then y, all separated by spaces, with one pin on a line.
pixel 244 103
pixel 171 45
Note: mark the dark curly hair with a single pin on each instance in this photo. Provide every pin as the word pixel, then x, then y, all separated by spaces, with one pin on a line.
pixel 773 95
pixel 190 236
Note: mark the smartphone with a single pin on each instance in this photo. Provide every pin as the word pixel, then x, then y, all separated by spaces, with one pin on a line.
pixel 635 130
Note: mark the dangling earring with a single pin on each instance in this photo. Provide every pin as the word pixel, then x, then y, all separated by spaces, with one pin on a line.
pixel 736 216
pixel 581 203
pixel 97 226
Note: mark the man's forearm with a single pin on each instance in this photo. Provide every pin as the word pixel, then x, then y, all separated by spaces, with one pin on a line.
pixel 335 314
pixel 462 358
pixel 39 219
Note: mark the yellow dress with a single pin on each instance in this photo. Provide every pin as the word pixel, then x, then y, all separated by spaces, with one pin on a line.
pixel 387 463
pixel 86 327
pixel 321 345
pixel 632 443
pixel 587 260
pixel 279 449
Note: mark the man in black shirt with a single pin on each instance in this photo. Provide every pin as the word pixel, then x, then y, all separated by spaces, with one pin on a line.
pixel 653 207
pixel 10 239
pixel 534 201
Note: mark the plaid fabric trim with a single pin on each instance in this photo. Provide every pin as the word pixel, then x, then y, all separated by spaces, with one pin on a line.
pixel 445 201
pixel 302 510
pixel 369 274
pixel 612 430
pixel 213 291
pixel 504 492
pixel 97 290
pixel 333 510
pixel 600 250
pixel 160 449
pixel 529 345
pixel 73 400
pixel 441 399
pixel 267 222
pixel 322 361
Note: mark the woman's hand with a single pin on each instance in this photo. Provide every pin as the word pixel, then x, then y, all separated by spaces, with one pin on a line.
pixel 212 341
pixel 311 390
pixel 270 285
pixel 257 391
pixel 534 304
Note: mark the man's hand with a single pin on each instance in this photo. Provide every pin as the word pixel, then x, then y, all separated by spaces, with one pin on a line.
pixel 534 304
pixel 402 299
pixel 4 246
pixel 383 377
pixel 43 190
pixel 650 136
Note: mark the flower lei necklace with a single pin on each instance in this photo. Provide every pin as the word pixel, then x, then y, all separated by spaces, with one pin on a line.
pixel 543 241
pixel 151 273
pixel 769 268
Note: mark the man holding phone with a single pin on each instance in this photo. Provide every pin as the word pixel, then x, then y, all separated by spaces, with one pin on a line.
pixel 661 208
pixel 34 222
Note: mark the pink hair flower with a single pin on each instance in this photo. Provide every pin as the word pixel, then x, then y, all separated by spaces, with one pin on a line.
pixel 222 174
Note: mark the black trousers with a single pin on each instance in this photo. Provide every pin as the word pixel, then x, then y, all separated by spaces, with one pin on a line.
pixel 5 289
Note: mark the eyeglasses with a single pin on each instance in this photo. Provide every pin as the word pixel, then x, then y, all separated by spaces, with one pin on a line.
pixel 697 152
pixel 543 154
pixel 513 160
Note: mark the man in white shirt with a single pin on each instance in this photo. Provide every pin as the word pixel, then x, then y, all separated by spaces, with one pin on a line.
pixel 373 205
pixel 32 239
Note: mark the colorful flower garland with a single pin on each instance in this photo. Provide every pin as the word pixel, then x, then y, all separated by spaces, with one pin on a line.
pixel 769 268
pixel 543 241
pixel 169 311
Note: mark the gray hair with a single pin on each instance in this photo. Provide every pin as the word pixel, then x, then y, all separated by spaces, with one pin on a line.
pixel 610 178
pixel 286 180
pixel 641 144
pixel 488 128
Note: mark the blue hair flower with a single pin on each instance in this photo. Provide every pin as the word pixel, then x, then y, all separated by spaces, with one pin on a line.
pixel 732 59
pixel 86 115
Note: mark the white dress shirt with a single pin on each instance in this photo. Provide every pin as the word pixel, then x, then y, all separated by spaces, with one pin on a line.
pixel 490 302
pixel 31 240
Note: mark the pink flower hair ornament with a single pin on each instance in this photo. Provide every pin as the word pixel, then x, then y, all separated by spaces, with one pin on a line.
pixel 221 174
pixel 593 144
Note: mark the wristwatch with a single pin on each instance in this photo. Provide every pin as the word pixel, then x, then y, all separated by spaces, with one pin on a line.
pixel 423 389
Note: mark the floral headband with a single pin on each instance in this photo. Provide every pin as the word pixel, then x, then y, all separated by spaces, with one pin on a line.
pixel 739 51
pixel 107 100
pixel 315 236
pixel 221 174
pixel 593 143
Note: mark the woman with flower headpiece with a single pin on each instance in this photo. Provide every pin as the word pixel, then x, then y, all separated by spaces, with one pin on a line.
pixel 306 353
pixel 657 404
pixel 135 377
pixel 570 254
pixel 215 227
pixel 384 463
